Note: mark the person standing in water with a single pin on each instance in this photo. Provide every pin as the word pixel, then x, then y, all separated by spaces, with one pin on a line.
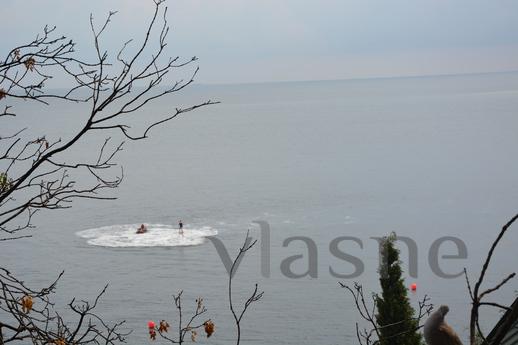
pixel 180 226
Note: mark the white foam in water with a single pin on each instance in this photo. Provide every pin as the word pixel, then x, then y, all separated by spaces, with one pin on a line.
pixel 158 235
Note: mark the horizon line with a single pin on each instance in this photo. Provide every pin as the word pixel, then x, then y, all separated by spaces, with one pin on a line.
pixel 439 75
pixel 371 78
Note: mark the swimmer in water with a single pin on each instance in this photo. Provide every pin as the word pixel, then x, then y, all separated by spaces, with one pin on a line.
pixel 180 227
pixel 142 229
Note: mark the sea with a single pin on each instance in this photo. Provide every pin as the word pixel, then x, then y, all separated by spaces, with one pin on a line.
pixel 315 172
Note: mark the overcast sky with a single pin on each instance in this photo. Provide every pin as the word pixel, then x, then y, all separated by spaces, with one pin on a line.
pixel 267 40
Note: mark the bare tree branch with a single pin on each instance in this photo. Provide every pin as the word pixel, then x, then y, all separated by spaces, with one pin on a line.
pixel 38 172
pixel 184 329
pixel 33 173
pixel 477 295
pixel 29 316
pixel 254 297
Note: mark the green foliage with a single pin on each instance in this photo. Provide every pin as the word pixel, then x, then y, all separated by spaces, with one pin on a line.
pixel 396 321
pixel 5 182
pixel 479 340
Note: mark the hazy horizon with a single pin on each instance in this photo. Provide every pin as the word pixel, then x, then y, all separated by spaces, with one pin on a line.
pixel 267 41
pixel 417 76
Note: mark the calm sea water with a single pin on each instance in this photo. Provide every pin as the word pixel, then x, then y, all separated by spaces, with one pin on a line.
pixel 424 157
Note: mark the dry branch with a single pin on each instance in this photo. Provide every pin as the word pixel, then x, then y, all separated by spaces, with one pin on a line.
pixel 477 294
pixel 34 174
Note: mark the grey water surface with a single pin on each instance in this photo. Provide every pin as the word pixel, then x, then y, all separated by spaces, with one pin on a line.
pixel 424 157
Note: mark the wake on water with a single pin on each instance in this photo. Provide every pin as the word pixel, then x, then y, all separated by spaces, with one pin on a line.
pixel 158 235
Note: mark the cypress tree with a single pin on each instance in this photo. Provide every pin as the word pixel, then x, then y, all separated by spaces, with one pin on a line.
pixel 395 318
